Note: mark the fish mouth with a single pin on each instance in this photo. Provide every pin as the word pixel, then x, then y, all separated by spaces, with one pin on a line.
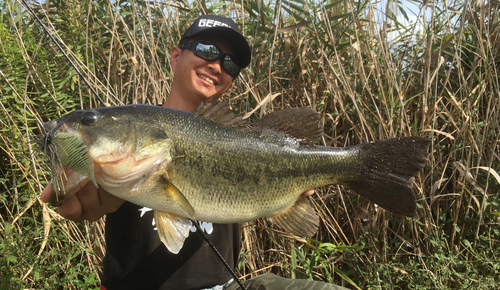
pixel 71 165
pixel 50 126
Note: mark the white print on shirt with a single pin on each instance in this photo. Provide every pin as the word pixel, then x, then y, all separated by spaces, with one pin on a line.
pixel 206 226
pixel 144 210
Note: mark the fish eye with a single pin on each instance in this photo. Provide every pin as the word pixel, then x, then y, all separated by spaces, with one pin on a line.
pixel 88 118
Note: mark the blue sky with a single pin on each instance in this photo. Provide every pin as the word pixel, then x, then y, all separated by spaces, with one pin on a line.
pixel 417 14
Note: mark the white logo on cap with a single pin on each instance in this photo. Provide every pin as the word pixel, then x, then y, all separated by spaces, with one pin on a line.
pixel 211 23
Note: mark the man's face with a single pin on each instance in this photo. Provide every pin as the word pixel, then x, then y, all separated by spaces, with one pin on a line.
pixel 198 78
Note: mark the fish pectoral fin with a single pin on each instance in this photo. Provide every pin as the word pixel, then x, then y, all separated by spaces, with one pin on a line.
pixel 300 219
pixel 179 198
pixel 172 230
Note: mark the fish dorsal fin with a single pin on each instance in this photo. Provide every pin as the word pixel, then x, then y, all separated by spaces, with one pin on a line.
pixel 303 123
pixel 300 219
pixel 172 230
pixel 219 112
pixel 178 197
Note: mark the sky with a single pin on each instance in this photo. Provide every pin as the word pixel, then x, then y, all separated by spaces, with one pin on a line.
pixel 412 10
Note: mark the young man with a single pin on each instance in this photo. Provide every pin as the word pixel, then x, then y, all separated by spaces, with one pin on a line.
pixel 208 58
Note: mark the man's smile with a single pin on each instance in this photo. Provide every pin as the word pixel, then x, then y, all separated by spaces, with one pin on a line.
pixel 206 78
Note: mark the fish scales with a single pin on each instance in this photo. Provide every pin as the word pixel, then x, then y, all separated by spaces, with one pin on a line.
pixel 233 174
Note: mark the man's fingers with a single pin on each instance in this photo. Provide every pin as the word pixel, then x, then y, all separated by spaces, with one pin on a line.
pixel 90 201
pixel 308 192
pixel 109 202
pixel 71 208
pixel 45 195
pixel 82 205
pixel 97 202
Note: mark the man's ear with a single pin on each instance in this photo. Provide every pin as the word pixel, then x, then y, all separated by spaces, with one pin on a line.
pixel 174 56
pixel 230 86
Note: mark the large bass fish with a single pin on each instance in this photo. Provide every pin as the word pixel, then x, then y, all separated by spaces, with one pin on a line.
pixel 212 166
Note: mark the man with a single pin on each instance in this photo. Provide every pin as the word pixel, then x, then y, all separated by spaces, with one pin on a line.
pixel 209 56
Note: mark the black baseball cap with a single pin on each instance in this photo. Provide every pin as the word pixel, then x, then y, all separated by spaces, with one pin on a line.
pixel 226 29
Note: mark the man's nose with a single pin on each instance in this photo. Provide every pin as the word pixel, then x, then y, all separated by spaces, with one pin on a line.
pixel 215 66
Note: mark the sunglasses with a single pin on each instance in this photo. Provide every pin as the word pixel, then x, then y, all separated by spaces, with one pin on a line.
pixel 211 52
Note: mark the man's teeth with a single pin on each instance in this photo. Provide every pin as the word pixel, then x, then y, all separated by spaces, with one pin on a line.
pixel 207 79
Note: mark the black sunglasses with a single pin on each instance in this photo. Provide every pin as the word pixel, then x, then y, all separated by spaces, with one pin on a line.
pixel 211 52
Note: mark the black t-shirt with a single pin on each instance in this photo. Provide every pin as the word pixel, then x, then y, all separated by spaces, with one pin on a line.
pixel 137 259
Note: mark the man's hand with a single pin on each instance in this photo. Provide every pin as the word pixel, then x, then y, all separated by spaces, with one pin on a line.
pixel 89 203
pixel 308 192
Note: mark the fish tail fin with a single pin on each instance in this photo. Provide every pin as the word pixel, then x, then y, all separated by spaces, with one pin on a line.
pixel 387 171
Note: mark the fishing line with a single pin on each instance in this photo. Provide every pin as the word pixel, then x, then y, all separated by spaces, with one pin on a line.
pixel 200 231
pixel 62 51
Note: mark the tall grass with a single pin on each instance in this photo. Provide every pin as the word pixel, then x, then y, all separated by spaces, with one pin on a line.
pixel 367 74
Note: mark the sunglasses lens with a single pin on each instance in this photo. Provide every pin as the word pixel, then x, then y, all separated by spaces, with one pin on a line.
pixel 210 52
pixel 230 66
pixel 207 51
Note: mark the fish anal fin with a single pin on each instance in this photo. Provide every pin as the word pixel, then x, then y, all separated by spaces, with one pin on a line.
pixel 219 112
pixel 302 123
pixel 172 230
pixel 178 197
pixel 300 219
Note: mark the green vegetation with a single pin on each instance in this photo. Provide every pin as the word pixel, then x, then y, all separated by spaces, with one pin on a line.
pixel 366 73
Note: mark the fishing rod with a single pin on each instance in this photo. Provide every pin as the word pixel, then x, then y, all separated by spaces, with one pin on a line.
pixel 212 246
pixel 62 51
pixel 196 224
